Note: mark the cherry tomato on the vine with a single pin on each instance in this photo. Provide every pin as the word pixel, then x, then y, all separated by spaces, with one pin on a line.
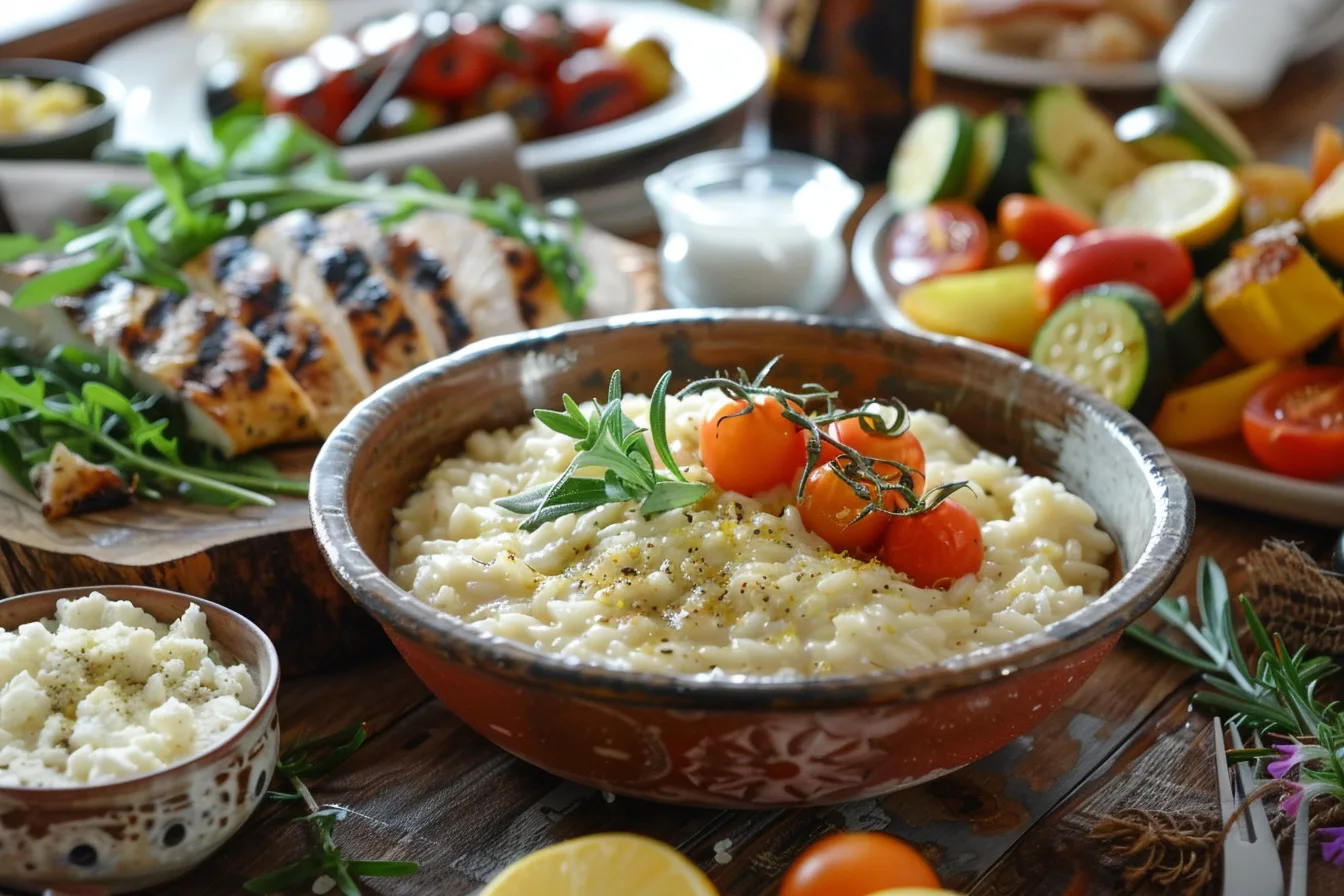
pixel 753 452
pixel 857 865
pixel 935 548
pixel 1294 423
pixel 903 449
pixel 831 509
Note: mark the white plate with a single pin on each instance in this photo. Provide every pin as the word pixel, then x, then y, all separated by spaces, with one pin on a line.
pixel 1217 480
pixel 954 51
pixel 720 68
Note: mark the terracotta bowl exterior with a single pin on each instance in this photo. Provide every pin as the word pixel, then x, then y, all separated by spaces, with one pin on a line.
pixel 143 831
pixel 749 744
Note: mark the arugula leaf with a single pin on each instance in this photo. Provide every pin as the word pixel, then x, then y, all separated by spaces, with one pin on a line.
pixel 68 281
pixel 14 246
pixel 12 460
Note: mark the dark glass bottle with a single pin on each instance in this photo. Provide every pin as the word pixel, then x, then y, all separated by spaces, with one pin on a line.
pixel 849 76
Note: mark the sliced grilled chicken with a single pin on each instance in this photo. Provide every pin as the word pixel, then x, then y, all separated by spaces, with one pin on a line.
pixel 359 304
pixel 233 395
pixel 538 299
pixel 245 283
pixel 425 282
pixel 68 484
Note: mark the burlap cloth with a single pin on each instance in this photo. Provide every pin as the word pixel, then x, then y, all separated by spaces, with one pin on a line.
pixel 1158 823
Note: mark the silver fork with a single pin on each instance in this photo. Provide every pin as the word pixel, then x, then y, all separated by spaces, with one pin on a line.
pixel 1250 856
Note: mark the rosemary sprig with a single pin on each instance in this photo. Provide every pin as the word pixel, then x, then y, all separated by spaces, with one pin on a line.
pixel 87 403
pixel 305 762
pixel 609 440
pixel 265 167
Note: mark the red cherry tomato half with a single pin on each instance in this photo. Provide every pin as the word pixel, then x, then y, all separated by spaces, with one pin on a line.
pixel 455 68
pixel 1159 265
pixel 592 88
pixel 1294 423
pixel 936 548
pixel 857 865
pixel 1037 224
pixel 943 238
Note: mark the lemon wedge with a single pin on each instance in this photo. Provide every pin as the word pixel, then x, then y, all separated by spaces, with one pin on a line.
pixel 603 865
pixel 1192 202
pixel 260 26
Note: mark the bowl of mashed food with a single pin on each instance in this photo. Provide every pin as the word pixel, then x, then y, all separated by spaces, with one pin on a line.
pixel 52 109
pixel 748 559
pixel 138 731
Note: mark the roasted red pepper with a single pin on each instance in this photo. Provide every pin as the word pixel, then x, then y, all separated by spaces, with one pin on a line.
pixel 594 88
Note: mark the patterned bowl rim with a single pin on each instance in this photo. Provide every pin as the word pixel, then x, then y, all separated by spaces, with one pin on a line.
pixel 409 618
pixel 122 787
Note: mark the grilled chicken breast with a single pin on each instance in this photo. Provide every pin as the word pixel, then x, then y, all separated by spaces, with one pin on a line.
pixel 360 305
pixel 234 396
pixel 246 285
pixel 67 484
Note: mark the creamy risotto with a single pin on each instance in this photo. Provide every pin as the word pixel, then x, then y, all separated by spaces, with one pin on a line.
pixel 105 691
pixel 734 585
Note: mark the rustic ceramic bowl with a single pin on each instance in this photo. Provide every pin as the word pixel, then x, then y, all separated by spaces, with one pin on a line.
pixel 78 139
pixel 749 744
pixel 143 831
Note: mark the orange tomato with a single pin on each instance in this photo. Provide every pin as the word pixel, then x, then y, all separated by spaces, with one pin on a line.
pixel 1327 153
pixel 831 509
pixel 857 865
pixel 753 452
pixel 903 449
pixel 936 548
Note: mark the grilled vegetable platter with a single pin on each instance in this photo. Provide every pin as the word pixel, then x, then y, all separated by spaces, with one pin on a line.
pixel 244 305
pixel 1152 258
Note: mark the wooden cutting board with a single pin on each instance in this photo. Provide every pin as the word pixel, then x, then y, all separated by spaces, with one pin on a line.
pixel 262 562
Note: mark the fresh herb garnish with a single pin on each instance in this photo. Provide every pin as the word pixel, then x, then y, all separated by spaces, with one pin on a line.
pixel 266 166
pixel 306 762
pixel 1276 695
pixel 607 439
pixel 88 403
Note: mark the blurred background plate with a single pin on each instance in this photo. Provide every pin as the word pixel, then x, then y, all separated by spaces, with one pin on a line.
pixel 720 69
pixel 956 52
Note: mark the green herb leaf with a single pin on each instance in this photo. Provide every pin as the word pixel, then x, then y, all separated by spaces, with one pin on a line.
pixel 11 458
pixel 562 423
pixel 14 246
pixel 667 496
pixel 658 425
pixel 368 868
pixel 68 281
pixel 287 878
pixel 576 489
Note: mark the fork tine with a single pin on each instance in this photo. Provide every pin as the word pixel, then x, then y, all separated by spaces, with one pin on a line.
pixel 1225 801
pixel 1297 883
pixel 1255 812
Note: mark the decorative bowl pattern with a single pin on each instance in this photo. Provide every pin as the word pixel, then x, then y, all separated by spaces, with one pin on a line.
pixel 143 831
pixel 749 744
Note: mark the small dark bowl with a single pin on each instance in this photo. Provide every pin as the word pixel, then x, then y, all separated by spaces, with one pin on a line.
pixel 750 744
pixel 78 139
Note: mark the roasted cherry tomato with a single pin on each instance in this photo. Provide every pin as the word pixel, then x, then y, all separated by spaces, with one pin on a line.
pixel 903 449
pixel 1159 265
pixel 857 865
pixel 832 509
pixel 1037 224
pixel 322 99
pixel 943 238
pixel 935 548
pixel 524 99
pixel 1294 423
pixel 753 452
pixel 593 88
pixel 456 67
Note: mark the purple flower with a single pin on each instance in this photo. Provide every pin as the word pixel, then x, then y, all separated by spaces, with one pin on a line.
pixel 1293 801
pixel 1332 845
pixel 1293 755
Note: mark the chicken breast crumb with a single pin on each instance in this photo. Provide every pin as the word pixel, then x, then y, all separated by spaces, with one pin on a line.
pixel 68 484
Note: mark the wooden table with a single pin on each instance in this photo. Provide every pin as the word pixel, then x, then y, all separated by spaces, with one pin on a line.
pixel 426 788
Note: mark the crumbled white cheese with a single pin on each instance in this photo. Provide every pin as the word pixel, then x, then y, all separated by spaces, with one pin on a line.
pixel 105 691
